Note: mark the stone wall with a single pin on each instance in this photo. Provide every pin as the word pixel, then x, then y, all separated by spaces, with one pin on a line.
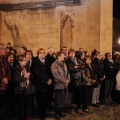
pixel 88 25
pixel 106 23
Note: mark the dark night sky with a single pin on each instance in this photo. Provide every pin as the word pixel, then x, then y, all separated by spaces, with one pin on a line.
pixel 116 8
pixel 116 25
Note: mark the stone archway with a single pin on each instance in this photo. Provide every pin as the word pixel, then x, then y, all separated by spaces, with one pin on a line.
pixel 66 38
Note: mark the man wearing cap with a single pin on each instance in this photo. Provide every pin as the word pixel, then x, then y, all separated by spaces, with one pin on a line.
pixel 5 76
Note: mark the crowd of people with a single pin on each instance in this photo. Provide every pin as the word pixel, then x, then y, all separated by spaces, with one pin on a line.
pixel 70 79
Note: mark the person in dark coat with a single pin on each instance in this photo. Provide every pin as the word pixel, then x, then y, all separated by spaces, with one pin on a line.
pixel 80 56
pixel 98 66
pixel 42 81
pixel 22 77
pixel 9 46
pixel 11 103
pixel 49 60
pixel 5 76
pixel 110 73
pixel 75 86
pixel 29 61
pixel 88 79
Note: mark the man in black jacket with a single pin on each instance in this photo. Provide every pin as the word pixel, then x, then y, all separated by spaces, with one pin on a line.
pixel 110 76
pixel 49 60
pixel 98 66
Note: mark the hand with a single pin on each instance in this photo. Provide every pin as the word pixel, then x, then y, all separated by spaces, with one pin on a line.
pixel 93 81
pixel 111 67
pixel 76 67
pixel 104 77
pixel 77 83
pixel 4 81
pixel 26 75
pixel 49 81
pixel 2 87
pixel 67 81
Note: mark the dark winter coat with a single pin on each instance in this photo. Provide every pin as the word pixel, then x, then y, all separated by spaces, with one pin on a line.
pixel 110 70
pixel 40 75
pixel 88 75
pixel 75 74
pixel 98 66
pixel 5 71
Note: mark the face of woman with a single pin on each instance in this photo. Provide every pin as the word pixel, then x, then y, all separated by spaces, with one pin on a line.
pixel 88 61
pixel 41 54
pixel 11 59
pixel 61 57
pixel 23 62
pixel 109 57
pixel 99 56
pixel 72 55
pixel 28 55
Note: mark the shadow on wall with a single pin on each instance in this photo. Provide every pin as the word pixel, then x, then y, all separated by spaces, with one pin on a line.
pixel 16 34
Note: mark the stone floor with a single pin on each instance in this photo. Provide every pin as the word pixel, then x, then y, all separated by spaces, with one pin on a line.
pixel 104 112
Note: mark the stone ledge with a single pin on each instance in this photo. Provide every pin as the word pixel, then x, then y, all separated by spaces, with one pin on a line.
pixel 38 5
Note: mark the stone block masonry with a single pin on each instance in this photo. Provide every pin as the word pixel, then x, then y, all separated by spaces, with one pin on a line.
pixel 87 25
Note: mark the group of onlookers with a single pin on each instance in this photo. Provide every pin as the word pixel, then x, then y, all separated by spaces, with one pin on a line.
pixel 66 77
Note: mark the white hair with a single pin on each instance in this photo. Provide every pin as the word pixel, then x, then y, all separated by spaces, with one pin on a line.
pixel 49 49
pixel 117 52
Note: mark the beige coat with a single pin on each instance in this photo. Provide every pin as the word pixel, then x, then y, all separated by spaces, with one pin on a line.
pixel 61 74
pixel 117 87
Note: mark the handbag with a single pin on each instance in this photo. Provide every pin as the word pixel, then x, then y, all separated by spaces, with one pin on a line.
pixel 66 99
pixel 30 90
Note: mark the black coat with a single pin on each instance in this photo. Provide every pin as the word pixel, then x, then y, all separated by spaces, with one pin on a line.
pixel 40 75
pixel 110 70
pixel 18 78
pixel 75 75
pixel 98 66
pixel 11 84
pixel 88 75
pixel 49 60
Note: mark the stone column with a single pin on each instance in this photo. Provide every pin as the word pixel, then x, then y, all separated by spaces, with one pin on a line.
pixel 106 16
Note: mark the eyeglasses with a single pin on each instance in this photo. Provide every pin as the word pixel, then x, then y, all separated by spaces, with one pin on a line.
pixel 41 52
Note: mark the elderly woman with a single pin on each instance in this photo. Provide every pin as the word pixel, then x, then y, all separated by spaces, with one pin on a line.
pixel 22 77
pixel 42 81
pixel 62 78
